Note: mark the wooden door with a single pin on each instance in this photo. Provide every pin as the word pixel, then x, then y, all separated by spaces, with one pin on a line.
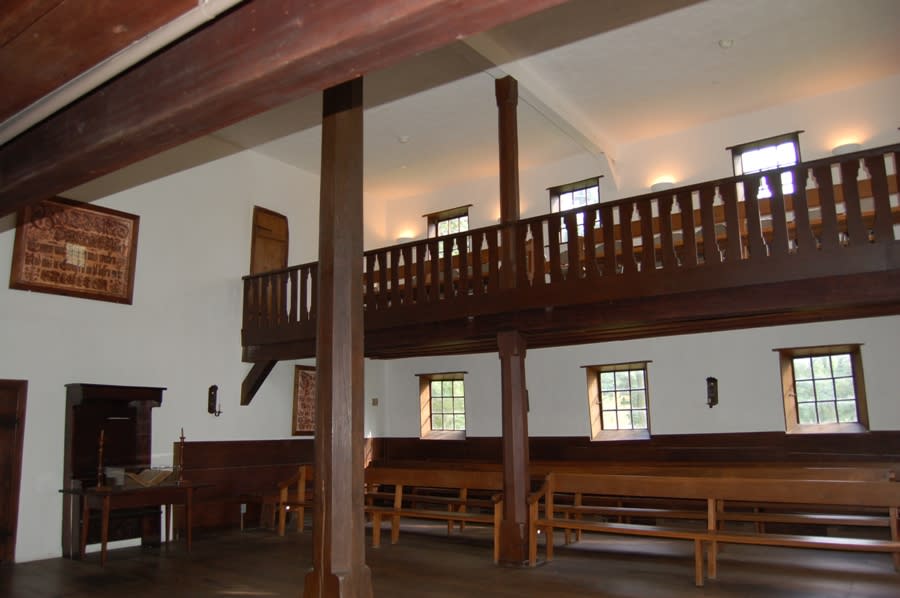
pixel 12 427
pixel 269 245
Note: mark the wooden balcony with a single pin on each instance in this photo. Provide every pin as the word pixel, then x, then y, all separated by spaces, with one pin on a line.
pixel 715 255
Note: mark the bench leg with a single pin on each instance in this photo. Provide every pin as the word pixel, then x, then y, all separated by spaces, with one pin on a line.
pixel 376 530
pixel 698 562
pixel 395 529
pixel 548 542
pixel 282 518
pixel 301 519
pixel 712 564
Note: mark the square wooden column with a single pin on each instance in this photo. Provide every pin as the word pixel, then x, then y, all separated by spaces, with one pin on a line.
pixel 506 91
pixel 339 555
pixel 516 478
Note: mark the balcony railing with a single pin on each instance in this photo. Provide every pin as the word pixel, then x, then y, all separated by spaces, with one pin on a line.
pixel 840 215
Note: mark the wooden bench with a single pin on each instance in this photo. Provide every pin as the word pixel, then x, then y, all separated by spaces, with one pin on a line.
pixel 795 501
pixel 433 494
pixel 290 494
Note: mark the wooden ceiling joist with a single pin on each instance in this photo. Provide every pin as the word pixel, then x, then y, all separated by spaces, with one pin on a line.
pixel 260 55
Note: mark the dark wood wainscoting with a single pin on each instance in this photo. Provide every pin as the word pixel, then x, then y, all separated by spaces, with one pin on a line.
pixel 236 469
pixel 762 447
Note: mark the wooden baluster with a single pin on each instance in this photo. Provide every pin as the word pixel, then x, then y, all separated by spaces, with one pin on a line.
pixel 780 245
pixel 449 291
pixel 383 267
pixel 883 228
pixel 421 296
pixel 313 290
pixel 755 243
pixel 648 243
pixel 538 263
pixel 371 300
pixel 803 234
pixel 733 245
pixel 856 229
pixel 829 238
pixel 553 230
pixel 304 295
pixel 462 288
pixel 292 315
pixel 493 280
pixel 591 270
pixel 711 253
pixel 629 264
pixel 689 240
pixel 573 248
pixel 434 288
pixel 394 297
pixel 408 290
pixel 609 240
pixel 520 235
pixel 667 245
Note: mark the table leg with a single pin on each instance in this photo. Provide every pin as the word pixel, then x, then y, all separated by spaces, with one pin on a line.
pixel 188 500
pixel 85 520
pixel 167 506
pixel 104 530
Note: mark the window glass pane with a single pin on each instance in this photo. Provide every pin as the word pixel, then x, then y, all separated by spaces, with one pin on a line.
pixel 806 413
pixel 458 388
pixel 447 388
pixel 565 202
pixel 843 388
pixel 638 399
pixel 786 154
pixel 827 413
pixel 625 420
pixel 443 228
pixel 637 378
pixel 453 226
pixel 609 420
pixel 435 388
pixel 846 412
pixel 578 198
pixel 608 400
pixel 459 405
pixel 824 390
pixel 805 392
pixel 459 422
pixel 840 365
pixel 437 422
pixel 624 400
pixel 622 379
pixel 593 195
pixel 639 420
pixel 821 366
pixel 802 368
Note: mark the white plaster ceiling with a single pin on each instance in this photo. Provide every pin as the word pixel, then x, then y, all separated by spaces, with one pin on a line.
pixel 593 75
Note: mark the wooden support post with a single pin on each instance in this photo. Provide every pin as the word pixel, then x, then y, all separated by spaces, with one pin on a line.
pixel 339 556
pixel 516 481
pixel 507 92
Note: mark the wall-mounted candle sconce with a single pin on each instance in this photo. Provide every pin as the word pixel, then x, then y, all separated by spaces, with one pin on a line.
pixel 212 401
pixel 712 392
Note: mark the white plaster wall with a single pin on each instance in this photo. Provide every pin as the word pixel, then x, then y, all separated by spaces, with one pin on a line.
pixel 744 362
pixel 182 331
pixel 866 114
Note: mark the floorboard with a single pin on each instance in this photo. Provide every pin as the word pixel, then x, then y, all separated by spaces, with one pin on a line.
pixel 427 563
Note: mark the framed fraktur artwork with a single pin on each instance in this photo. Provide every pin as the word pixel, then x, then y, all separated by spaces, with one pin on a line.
pixel 71 248
pixel 304 419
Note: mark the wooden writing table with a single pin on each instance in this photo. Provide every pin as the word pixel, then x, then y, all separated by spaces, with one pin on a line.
pixel 109 498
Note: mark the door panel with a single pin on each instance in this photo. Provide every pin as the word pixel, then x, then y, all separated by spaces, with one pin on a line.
pixel 12 426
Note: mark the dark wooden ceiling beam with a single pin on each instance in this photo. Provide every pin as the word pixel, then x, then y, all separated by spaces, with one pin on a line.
pixel 258 56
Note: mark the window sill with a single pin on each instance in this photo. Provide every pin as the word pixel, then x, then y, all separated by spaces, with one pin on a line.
pixel 826 429
pixel 621 435
pixel 444 435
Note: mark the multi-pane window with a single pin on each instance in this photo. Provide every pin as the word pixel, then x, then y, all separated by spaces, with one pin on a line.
pixel 768 154
pixel 618 398
pixel 446 223
pixel 575 195
pixel 823 388
pixel 443 404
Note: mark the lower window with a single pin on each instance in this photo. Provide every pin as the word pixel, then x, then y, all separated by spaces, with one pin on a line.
pixel 618 401
pixel 442 401
pixel 823 389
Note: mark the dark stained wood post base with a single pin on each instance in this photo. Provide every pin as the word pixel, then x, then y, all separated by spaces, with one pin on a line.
pixel 339 554
pixel 516 479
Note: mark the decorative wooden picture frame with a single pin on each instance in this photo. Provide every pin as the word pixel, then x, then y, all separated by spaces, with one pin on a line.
pixel 304 417
pixel 71 248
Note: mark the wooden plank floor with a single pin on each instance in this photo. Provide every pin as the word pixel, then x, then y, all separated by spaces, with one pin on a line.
pixel 426 563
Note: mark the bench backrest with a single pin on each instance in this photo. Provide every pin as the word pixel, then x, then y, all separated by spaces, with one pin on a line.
pixel 435 478
pixel 818 492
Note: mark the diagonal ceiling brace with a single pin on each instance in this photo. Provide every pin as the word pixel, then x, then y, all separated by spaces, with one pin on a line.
pixel 254 380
